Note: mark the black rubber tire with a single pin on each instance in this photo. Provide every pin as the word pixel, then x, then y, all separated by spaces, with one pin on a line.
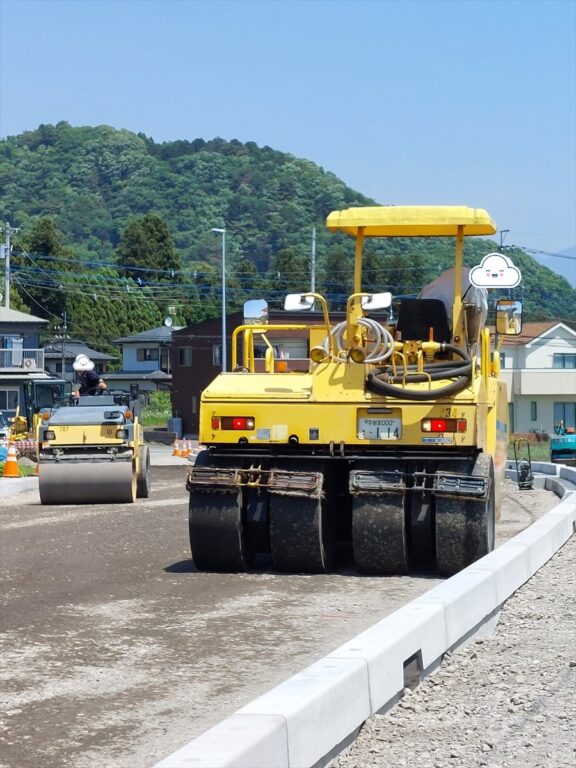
pixel 465 528
pixel 421 543
pixel 379 534
pixel 301 528
pixel 216 527
pixel 143 482
pixel 216 532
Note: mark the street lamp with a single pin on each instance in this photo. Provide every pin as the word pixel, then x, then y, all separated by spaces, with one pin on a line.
pixel 223 233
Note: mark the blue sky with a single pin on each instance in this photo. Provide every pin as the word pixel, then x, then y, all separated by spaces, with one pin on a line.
pixel 416 102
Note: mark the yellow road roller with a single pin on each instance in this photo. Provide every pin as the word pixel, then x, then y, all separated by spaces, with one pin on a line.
pixel 91 451
pixel 386 445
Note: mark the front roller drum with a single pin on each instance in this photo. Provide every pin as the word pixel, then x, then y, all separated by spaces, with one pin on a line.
pixel 379 534
pixel 216 528
pixel 87 482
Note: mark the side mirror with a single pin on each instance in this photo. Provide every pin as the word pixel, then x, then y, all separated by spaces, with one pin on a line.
pixel 377 301
pixel 508 317
pixel 298 302
pixel 255 312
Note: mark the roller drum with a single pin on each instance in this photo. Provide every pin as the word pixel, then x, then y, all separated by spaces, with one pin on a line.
pixel 86 482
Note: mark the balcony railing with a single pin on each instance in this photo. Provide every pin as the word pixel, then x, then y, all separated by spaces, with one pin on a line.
pixel 22 359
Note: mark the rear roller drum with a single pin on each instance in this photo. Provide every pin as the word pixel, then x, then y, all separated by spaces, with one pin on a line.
pixel 217 532
pixel 379 534
pixel 465 527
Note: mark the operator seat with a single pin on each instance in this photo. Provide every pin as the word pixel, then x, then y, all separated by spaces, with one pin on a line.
pixel 417 316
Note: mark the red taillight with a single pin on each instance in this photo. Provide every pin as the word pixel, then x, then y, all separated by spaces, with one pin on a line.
pixel 215 422
pixel 444 425
pixel 241 423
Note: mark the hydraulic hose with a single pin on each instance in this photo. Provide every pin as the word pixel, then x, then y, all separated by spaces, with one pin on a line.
pixel 382 345
pixel 385 382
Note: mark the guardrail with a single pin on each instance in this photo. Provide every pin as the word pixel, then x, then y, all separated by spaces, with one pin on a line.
pixel 312 716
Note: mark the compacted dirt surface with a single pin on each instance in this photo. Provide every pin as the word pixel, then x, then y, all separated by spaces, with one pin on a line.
pixel 115 651
pixel 506 700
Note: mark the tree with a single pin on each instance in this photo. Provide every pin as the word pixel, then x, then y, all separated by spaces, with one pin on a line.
pixel 43 280
pixel 290 273
pixel 146 251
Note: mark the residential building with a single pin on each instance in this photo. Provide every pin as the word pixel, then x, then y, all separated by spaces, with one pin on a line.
pixel 539 367
pixel 197 359
pixel 25 385
pixel 146 361
pixel 60 353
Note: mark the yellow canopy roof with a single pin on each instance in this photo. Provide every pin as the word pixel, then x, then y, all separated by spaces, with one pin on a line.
pixel 412 221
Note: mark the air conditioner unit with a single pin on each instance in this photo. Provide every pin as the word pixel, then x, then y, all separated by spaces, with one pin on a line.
pixel 29 363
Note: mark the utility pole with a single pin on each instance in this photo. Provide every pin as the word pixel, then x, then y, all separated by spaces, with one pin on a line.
pixel 8 232
pixel 313 264
pixel 64 329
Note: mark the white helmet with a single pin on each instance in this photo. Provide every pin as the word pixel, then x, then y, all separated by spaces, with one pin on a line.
pixel 83 363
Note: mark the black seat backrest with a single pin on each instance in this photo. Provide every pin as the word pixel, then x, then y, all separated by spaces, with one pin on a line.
pixel 417 316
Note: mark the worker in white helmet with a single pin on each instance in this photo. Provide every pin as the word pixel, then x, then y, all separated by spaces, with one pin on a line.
pixel 90 382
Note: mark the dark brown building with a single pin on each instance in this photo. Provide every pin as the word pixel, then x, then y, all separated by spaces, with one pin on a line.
pixel 196 359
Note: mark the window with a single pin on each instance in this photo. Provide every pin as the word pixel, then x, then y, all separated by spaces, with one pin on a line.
pixel 147 353
pixel 502 360
pixel 511 425
pixel 533 410
pixel 8 399
pixel 565 413
pixel 217 355
pixel 565 361
pixel 185 357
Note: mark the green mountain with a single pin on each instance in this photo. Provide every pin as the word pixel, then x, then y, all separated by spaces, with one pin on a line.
pixel 97 184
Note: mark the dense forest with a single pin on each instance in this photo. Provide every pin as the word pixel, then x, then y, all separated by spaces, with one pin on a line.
pixel 115 232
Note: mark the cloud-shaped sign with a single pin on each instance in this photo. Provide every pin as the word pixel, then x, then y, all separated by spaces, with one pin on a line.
pixel 495 271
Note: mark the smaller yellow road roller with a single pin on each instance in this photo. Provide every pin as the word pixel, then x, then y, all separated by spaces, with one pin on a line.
pixel 92 451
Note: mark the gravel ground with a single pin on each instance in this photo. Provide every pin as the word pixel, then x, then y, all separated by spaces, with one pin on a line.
pixel 506 700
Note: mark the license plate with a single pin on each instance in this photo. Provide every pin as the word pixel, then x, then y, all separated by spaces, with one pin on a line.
pixel 379 429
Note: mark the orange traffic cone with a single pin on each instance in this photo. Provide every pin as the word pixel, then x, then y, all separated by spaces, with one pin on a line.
pixel 176 448
pixel 184 451
pixel 11 465
pixel 190 448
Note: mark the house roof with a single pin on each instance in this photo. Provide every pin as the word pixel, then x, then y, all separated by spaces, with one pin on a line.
pixel 158 335
pixel 8 315
pixel 138 376
pixel 531 331
pixel 73 347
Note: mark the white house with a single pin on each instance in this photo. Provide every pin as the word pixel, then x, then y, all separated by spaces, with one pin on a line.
pixel 539 367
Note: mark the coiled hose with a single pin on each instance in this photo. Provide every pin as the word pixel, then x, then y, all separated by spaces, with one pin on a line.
pixel 384 382
pixel 381 345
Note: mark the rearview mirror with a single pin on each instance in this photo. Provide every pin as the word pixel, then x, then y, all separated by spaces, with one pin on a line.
pixel 508 317
pixel 255 312
pixel 377 301
pixel 298 302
